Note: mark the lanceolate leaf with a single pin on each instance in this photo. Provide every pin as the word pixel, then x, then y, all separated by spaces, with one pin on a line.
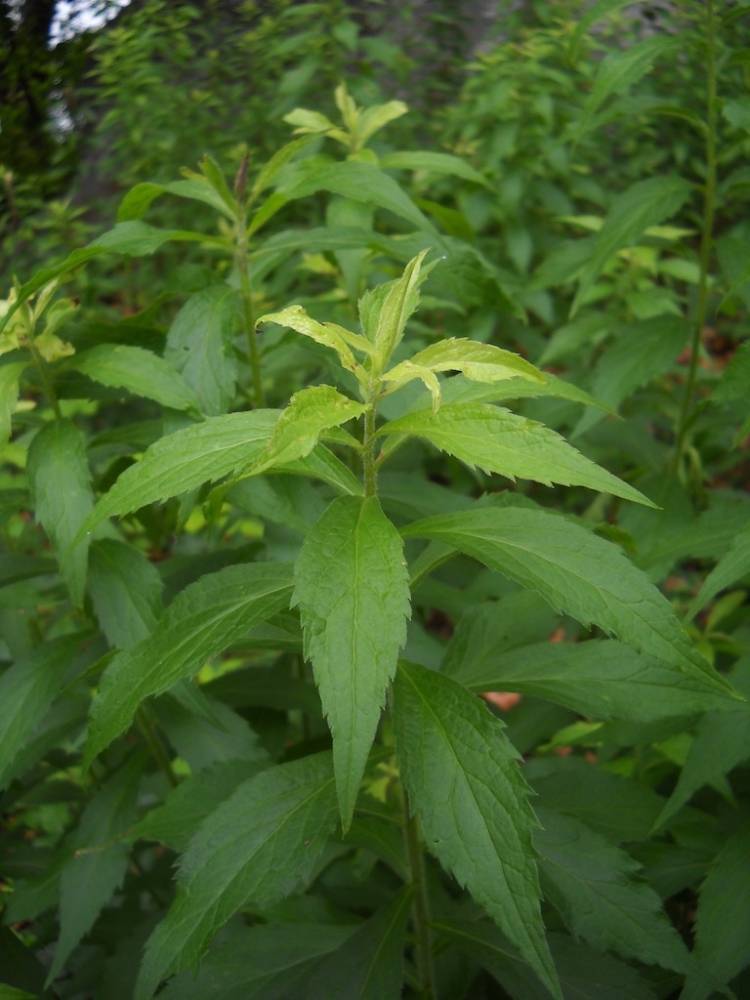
pixel 351 586
pixel 255 849
pixel 594 886
pixel 732 566
pixel 578 573
pixel 179 462
pixel 502 442
pixel 27 690
pixel 141 372
pixel 60 486
pixel 464 783
pixel 199 345
pixel 435 163
pixel 99 861
pixel 9 377
pixel 125 590
pixel 602 679
pixel 330 335
pixel 386 312
pixel 203 620
pixel 309 413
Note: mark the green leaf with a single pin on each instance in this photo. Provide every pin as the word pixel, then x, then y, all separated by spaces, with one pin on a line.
pixel 385 311
pixel 369 965
pixel 204 619
pixel 733 566
pixel 255 849
pixel 371 120
pixel 645 204
pixel 642 352
pixel 27 691
pixel 352 589
pixel 464 783
pixel 594 886
pixel 125 590
pixel 99 861
pixel 499 441
pixel 199 346
pixel 722 925
pixel 269 171
pixel 584 973
pixel 176 820
pixel 9 378
pixel 733 387
pixel 196 188
pixel 141 372
pixel 577 573
pixel 179 462
pixel 310 412
pixel 61 491
pixel 433 163
pixel 601 679
pixel 330 335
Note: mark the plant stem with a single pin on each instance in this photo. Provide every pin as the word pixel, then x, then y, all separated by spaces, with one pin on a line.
pixel 709 210
pixel 47 383
pixel 240 258
pixel 369 466
pixel 421 906
pixel 152 741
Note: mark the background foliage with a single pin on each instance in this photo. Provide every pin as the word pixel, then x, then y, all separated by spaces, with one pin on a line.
pixel 572 181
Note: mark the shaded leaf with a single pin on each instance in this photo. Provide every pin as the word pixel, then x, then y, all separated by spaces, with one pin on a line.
pixel 141 372
pixel 125 590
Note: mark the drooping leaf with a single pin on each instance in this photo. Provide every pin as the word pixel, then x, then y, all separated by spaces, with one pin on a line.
pixel 732 567
pixel 499 441
pixel 10 375
pixel 578 573
pixel 369 965
pixel 196 188
pixel 645 204
pixel 259 846
pixel 27 690
pixel 99 859
pixel 125 590
pixel 263 962
pixel 61 491
pixel 602 679
pixel 330 335
pixel 203 620
pixel 141 372
pixel 464 783
pixel 179 462
pixel 722 925
pixel 351 586
pixel 199 346
pixel 594 886
pixel 433 163
pixel 310 412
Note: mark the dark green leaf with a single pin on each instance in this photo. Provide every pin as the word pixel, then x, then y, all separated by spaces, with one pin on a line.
pixel 141 372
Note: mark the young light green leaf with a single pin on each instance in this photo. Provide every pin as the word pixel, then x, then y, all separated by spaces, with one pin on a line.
pixel 644 204
pixel 269 171
pixel 125 589
pixel 204 619
pixel 351 586
pixel 733 566
pixel 199 346
pixel 60 483
pixel 499 441
pixel 330 335
pixel 477 361
pixel 141 372
pixel 577 573
pixel 369 965
pixel 259 846
pixel 386 312
pixel 593 885
pixel 464 783
pixel 9 378
pixel 201 453
pixel 433 163
pixel 310 412
pixel 27 690
pixel 99 860
pixel 601 679
pixel 371 120
pixel 722 925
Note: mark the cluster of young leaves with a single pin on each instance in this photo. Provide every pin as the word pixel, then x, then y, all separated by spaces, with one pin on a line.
pixel 196 512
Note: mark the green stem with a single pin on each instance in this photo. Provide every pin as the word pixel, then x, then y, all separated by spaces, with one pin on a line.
pixel 421 906
pixel 246 292
pixel 369 465
pixel 709 211
pixel 47 383
pixel 154 744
